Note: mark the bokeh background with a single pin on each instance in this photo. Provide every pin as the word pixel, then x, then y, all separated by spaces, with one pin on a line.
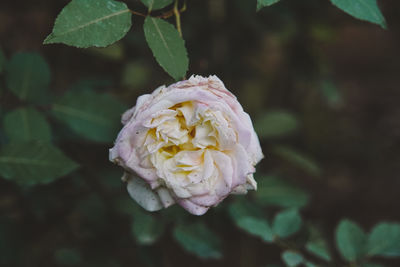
pixel 321 87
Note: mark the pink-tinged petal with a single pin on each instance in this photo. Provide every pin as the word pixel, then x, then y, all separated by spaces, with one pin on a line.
pixel 158 139
pixel 242 165
pixel 141 192
pixel 197 189
pixel 145 100
pixel 192 207
pixel 223 186
pixel 208 165
pixel 173 96
pixel 125 151
pixel 206 200
pixel 253 149
pixel 241 119
pixel 127 115
pixel 159 118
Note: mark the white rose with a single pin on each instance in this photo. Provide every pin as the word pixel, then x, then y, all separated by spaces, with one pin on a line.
pixel 190 143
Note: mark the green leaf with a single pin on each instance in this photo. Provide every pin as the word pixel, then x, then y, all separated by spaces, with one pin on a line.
pixel 156 4
pixel 317 245
pixel 292 258
pixel 3 61
pixel 30 163
pixel 298 159
pixel 286 223
pixel 146 229
pixel 384 240
pixel 393 251
pixel 85 23
pixel 275 124
pixel 272 190
pixel 28 76
pixel 319 248
pixel 26 124
pixel 264 3
pixel 95 116
pixel 198 240
pixel 167 46
pixel 350 240
pixel 362 9
pixel 249 218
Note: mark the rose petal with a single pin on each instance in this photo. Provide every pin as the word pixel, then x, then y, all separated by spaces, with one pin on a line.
pixel 242 165
pixel 192 207
pixel 206 200
pixel 191 143
pixel 165 197
pixel 141 192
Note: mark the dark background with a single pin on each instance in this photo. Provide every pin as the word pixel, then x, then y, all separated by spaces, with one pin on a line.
pixel 278 58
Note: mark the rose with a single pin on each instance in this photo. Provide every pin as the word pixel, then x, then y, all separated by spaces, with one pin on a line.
pixel 191 143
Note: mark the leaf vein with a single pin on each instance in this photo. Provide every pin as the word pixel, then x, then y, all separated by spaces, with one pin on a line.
pixel 94 22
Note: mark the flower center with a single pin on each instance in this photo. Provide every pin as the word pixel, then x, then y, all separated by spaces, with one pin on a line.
pixel 181 128
pixel 178 140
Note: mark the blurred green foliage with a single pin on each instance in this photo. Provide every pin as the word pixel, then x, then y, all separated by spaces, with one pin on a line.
pixel 384 240
pixel 28 76
pixel 286 223
pixel 317 244
pixel 276 124
pixel 350 240
pixel 26 124
pixel 354 244
pixel 292 259
pixel 196 238
pixel 30 163
pixel 273 190
pixel 249 217
pixel 89 114
pixel 63 204
pixel 146 229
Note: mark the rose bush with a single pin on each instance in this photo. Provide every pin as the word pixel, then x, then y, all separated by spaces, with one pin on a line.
pixel 189 143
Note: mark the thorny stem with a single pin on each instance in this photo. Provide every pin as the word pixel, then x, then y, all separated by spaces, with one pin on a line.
pixel 164 15
pixel 137 13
